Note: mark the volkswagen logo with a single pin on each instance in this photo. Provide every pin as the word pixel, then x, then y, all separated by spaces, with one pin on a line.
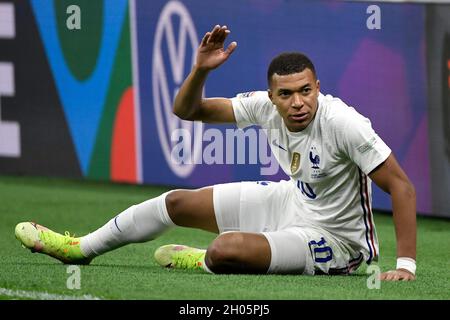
pixel 174 49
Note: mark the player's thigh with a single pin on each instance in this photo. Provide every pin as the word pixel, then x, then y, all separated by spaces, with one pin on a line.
pixel 289 252
pixel 253 206
pixel 192 208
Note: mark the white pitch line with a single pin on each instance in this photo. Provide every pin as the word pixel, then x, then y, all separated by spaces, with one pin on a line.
pixel 36 295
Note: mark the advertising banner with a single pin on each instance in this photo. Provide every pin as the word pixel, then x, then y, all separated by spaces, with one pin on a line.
pixel 87 87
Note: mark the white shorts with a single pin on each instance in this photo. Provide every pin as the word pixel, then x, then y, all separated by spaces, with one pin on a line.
pixel 270 209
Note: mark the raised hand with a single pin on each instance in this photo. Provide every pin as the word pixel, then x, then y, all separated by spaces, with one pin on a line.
pixel 211 53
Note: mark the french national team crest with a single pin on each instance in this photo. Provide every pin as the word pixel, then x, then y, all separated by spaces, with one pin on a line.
pixel 314 158
pixel 295 163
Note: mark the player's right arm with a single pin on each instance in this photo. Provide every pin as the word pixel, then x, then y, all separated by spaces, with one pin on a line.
pixel 189 104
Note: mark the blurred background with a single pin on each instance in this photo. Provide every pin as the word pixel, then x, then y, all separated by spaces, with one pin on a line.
pixel 86 86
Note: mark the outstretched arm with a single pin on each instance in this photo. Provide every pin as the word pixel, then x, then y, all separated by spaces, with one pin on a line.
pixel 189 104
pixel 390 177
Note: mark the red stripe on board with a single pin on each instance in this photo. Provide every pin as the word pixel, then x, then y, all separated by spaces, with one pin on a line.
pixel 123 146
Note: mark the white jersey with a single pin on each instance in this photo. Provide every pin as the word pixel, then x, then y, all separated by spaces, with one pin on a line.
pixel 329 162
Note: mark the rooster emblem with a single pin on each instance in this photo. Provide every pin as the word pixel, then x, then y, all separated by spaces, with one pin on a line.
pixel 315 160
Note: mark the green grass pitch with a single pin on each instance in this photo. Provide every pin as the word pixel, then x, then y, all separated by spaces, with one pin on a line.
pixel 131 272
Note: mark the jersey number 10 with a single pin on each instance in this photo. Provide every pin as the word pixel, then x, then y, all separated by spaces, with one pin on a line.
pixel 321 253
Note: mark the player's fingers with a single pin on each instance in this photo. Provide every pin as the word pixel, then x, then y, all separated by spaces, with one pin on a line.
pixel 214 34
pixel 387 276
pixel 397 275
pixel 231 48
pixel 406 276
pixel 205 38
pixel 223 34
pixel 406 273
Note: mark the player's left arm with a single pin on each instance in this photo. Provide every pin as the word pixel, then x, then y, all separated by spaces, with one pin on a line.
pixel 391 178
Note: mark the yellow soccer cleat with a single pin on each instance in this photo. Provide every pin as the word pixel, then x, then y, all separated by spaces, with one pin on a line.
pixel 40 239
pixel 180 256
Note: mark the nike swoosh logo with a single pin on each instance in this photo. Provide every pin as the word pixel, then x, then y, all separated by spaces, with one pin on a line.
pixel 276 144
pixel 115 221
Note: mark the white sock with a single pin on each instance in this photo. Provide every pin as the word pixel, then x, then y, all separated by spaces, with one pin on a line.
pixel 205 267
pixel 138 223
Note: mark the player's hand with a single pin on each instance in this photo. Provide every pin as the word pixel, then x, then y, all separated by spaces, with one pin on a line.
pixel 211 52
pixel 397 275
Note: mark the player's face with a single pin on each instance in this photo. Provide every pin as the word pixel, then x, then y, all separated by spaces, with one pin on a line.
pixel 296 98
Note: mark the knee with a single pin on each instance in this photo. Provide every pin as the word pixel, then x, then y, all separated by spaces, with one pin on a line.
pixel 225 250
pixel 174 201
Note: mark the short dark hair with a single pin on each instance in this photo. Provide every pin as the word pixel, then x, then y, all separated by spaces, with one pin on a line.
pixel 289 63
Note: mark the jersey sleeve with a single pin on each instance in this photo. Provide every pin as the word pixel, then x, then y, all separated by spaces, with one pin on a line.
pixel 362 144
pixel 250 108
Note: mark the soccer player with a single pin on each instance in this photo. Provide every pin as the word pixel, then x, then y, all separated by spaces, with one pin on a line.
pixel 318 222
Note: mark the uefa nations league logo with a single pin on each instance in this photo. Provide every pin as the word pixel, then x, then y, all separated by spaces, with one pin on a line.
pixel 174 52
